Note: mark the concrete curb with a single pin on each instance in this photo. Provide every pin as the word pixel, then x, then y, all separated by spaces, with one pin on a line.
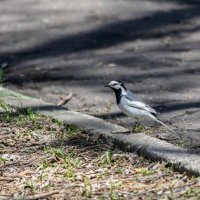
pixel 147 146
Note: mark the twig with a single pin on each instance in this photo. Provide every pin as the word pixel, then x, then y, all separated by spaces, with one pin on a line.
pixel 6 179
pixel 2 137
pixel 65 100
pixel 67 186
pixel 90 147
pixel 41 195
pixel 4 197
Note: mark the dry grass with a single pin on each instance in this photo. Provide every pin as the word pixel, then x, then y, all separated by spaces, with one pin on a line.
pixel 41 158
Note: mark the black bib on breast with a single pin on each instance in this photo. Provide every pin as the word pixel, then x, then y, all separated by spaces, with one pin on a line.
pixel 118 95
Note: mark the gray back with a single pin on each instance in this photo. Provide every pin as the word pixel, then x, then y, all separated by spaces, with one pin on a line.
pixel 132 97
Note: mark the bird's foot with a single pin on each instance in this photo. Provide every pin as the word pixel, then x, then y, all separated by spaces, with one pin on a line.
pixel 135 125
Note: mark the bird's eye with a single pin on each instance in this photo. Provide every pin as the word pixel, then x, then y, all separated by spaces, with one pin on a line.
pixel 115 84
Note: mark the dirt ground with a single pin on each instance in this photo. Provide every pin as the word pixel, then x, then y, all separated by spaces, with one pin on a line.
pixel 41 158
pixel 51 48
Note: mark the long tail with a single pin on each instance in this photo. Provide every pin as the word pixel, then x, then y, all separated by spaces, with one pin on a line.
pixel 170 129
pixel 167 127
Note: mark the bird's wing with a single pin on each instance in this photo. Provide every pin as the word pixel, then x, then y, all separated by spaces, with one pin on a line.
pixel 140 105
pixel 132 97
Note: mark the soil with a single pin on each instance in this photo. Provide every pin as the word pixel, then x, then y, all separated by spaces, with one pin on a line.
pixel 42 158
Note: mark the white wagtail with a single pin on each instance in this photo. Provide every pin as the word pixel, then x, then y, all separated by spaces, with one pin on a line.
pixel 131 105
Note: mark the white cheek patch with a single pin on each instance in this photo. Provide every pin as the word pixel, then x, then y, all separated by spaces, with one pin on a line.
pixel 117 86
pixel 114 86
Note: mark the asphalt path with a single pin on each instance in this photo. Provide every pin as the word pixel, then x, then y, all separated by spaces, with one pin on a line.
pixel 52 48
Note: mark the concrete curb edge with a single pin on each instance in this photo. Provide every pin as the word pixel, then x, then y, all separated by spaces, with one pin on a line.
pixel 144 145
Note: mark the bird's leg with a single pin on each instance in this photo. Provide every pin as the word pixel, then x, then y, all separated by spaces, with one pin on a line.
pixel 136 124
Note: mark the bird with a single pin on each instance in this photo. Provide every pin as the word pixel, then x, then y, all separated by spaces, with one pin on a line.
pixel 132 106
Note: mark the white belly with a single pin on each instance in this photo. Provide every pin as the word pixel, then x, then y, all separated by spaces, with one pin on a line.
pixel 131 111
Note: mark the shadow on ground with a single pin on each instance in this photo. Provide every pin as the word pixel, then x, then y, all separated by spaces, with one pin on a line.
pixel 147 51
pixel 147 27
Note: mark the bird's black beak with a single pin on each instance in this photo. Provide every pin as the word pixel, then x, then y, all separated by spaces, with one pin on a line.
pixel 106 86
